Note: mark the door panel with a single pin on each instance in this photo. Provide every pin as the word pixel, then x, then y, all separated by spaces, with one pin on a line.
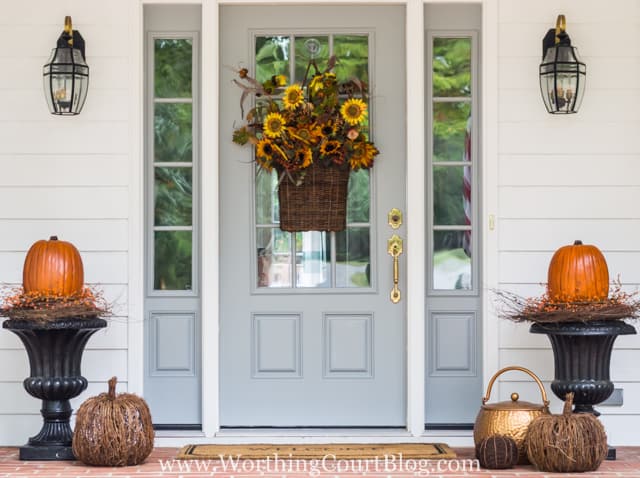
pixel 308 334
pixel 453 328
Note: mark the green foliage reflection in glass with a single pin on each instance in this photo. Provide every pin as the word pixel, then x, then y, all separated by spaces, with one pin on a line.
pixel 172 75
pixel 172 260
pixel 451 67
pixel 451 79
pixel 173 142
pixel 273 56
pixel 173 193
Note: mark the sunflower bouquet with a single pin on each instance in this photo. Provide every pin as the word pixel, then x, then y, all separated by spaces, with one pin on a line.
pixel 319 121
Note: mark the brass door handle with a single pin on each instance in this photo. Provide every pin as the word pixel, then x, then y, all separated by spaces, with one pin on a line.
pixel 394 248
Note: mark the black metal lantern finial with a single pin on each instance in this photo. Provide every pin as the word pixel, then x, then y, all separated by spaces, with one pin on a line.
pixel 66 74
pixel 562 74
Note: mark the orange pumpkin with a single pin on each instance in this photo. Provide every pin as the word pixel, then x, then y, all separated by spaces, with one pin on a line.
pixel 578 273
pixel 53 266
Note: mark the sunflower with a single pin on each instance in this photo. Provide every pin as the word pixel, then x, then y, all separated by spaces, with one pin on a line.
pixel 327 129
pixel 308 133
pixel 354 111
pixel 293 97
pixel 362 155
pixel 329 148
pixel 303 158
pixel 264 154
pixel 274 125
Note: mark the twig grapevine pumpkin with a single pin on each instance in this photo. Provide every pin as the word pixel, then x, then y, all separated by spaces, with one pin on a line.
pixel 53 266
pixel 567 443
pixel 497 452
pixel 578 273
pixel 113 430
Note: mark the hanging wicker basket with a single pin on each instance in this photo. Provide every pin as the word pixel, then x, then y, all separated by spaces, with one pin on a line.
pixel 318 204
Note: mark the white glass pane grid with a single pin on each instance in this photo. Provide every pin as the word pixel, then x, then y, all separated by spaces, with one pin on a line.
pixel 463 162
pixel 324 279
pixel 172 164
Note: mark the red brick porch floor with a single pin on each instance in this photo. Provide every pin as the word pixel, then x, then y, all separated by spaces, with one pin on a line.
pixel 627 465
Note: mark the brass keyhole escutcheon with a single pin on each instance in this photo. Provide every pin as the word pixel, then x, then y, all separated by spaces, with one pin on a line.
pixel 395 218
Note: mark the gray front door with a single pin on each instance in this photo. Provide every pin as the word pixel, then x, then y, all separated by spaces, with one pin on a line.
pixel 308 334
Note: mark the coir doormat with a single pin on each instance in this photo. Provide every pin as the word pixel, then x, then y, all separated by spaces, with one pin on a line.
pixel 432 451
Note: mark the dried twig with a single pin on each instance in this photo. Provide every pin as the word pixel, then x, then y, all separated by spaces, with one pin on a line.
pixel 619 305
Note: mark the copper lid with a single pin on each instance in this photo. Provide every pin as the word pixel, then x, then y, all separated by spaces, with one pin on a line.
pixel 514 404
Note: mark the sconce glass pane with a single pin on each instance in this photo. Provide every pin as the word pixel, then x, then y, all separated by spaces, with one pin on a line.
pixel 173 68
pixel 451 67
pixel 562 79
pixel 272 57
pixel 173 139
pixel 66 81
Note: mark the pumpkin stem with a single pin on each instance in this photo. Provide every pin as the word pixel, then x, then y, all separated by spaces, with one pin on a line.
pixel 53 238
pixel 112 387
pixel 568 405
pixel 577 242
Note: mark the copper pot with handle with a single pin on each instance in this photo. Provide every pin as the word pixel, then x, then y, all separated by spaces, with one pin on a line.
pixel 509 418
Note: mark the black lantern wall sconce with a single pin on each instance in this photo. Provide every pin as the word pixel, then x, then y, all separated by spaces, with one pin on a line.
pixel 562 74
pixel 66 74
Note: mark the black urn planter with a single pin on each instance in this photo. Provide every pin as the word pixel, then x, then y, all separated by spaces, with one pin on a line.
pixel 582 355
pixel 55 350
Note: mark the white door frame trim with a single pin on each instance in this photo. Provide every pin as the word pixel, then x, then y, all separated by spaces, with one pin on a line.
pixel 415 214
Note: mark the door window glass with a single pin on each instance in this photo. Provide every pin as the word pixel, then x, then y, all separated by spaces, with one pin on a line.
pixel 172 156
pixel 312 259
pixel 450 159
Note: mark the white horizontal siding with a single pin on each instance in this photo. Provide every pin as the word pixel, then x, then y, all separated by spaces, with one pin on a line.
pixel 549 234
pixel 85 234
pixel 623 12
pixel 64 203
pixel 524 105
pixel 570 170
pixel 74 136
pixel 23 104
pixel 525 38
pixel 64 170
pixel 553 137
pixel 66 176
pixel 567 177
pixel 561 202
